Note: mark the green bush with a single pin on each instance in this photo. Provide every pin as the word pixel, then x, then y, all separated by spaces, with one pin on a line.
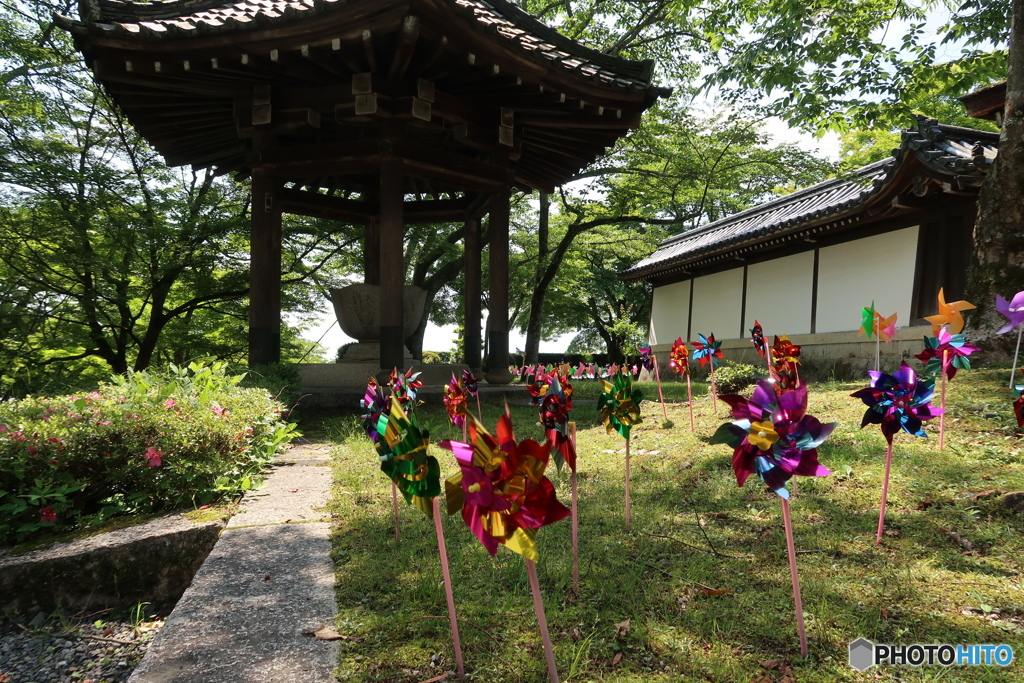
pixel 732 378
pixel 147 442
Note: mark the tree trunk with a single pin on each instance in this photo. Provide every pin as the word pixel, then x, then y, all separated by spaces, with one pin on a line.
pixel 536 316
pixel 998 266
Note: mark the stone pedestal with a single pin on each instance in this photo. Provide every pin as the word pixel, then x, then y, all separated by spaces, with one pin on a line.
pixel 358 308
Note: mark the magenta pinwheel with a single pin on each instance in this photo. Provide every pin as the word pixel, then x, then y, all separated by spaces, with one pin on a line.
pixel 375 404
pixel 501 488
pixel 946 353
pixel 707 350
pixel 773 436
pixel 645 358
pixel 899 401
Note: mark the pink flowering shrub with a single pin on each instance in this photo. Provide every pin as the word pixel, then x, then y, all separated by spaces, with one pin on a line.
pixel 148 442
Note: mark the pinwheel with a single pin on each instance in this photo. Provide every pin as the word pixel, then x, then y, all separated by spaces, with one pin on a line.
pixel 774 437
pixel 469 383
pixel 418 476
pixel 650 362
pixel 945 354
pixel 581 371
pixel 707 351
pixel 405 388
pixel 949 314
pixel 1018 408
pixel 505 498
pixel 454 398
pixel 874 323
pixel 1013 311
pixel 619 406
pixel 786 365
pixel 680 362
pixel 896 402
pixel 552 394
pixel 377 406
pixel 760 345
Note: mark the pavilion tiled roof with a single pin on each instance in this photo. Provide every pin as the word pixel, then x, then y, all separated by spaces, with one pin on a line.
pixel 175 19
pixel 962 154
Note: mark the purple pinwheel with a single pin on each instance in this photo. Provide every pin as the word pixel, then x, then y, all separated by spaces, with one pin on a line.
pixel 773 436
pixel 375 403
pixel 898 401
pixel 1012 310
pixel 946 353
pixel 1014 313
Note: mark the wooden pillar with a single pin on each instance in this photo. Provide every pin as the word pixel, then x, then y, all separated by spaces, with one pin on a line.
pixel 371 252
pixel 497 309
pixel 392 266
pixel 264 271
pixel 471 295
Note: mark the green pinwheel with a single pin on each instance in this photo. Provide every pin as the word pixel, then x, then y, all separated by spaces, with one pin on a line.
pixel 416 474
pixel 620 405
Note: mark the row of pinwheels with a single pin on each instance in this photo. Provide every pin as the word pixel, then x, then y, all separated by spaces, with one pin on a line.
pixel 500 489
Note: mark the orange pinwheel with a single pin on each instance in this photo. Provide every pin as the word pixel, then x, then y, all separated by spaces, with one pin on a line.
pixel 949 314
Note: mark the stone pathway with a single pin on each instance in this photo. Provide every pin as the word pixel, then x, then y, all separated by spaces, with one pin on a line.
pixel 266 586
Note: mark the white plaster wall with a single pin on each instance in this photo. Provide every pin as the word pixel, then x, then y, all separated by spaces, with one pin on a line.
pixel 853 274
pixel 670 309
pixel 779 294
pixel 717 302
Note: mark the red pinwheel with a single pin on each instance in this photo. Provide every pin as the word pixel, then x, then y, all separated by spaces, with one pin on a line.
pixel 550 396
pixel 405 388
pixel 501 488
pixel 1018 409
pixel 757 339
pixel 680 362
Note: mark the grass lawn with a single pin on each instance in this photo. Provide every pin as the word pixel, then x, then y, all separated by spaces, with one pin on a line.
pixel 699 588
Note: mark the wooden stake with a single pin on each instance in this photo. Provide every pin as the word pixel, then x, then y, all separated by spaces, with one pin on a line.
pixel 542 622
pixel 942 417
pixel 797 602
pixel 885 494
pixel 575 519
pixel 442 550
pixel 627 484
pixel 394 508
pixel 689 402
pixel 657 374
pixel 1013 370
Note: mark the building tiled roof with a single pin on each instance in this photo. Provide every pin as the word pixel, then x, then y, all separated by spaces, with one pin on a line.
pixel 961 154
pixel 175 19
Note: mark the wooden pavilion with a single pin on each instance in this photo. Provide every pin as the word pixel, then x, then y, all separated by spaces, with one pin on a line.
pixel 375 112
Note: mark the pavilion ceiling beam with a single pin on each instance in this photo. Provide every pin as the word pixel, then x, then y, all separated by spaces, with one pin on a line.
pixel 408 35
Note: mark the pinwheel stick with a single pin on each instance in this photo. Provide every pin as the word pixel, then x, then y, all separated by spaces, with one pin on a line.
pixel 689 402
pixel 394 508
pixel 714 390
pixel 575 520
pixel 627 484
pixel 885 494
pixel 797 602
pixel 1013 370
pixel 442 550
pixel 479 410
pixel 657 375
pixel 542 622
pixel 942 402
pixel 878 352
